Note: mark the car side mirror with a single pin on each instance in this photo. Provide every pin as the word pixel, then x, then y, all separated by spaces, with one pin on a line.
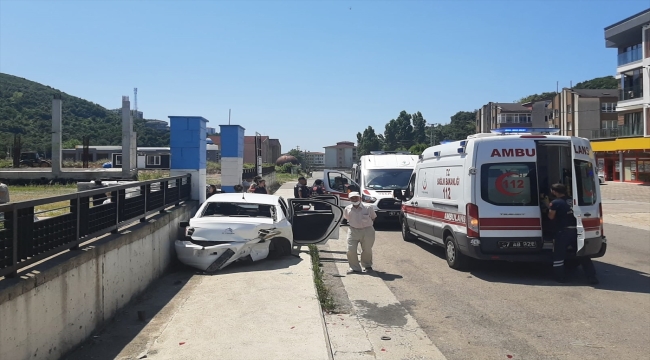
pixel 397 194
pixel 184 224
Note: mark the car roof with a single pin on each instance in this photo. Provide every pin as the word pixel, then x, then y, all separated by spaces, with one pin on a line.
pixel 244 198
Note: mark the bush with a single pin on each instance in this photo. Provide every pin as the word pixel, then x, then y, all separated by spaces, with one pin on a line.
pixel 213 167
pixel 6 163
pixel 284 169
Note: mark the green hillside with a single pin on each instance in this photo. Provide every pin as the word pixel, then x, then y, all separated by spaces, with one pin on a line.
pixel 26 109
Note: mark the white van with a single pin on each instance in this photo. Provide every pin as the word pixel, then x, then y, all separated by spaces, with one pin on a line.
pixel 480 197
pixel 378 175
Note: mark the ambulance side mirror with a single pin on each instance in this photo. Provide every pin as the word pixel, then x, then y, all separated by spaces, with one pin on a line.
pixel 397 194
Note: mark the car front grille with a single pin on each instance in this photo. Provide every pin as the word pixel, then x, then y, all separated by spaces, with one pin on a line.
pixel 389 204
pixel 205 243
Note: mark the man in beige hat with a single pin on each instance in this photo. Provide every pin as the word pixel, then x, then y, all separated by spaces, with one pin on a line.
pixel 360 219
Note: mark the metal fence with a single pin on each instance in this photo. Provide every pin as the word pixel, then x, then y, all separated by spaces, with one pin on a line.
pixel 252 172
pixel 27 238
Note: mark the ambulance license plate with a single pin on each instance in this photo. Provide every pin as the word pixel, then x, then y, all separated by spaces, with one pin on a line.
pixel 517 244
pixel 393 213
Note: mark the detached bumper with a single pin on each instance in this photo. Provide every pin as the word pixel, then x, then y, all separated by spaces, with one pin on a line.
pixel 488 250
pixel 202 257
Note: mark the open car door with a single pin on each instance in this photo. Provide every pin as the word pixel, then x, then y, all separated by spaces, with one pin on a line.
pixel 314 226
pixel 338 183
pixel 332 199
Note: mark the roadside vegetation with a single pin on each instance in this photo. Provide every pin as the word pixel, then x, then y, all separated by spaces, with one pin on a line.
pixel 324 297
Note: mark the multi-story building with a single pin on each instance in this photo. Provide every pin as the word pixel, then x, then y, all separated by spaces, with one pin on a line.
pixel 587 113
pixel 503 115
pixel 341 155
pixel 623 148
pixel 210 130
pixel 271 148
pixel 315 158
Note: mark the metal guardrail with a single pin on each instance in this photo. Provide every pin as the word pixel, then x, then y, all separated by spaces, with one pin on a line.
pixel 252 172
pixel 25 240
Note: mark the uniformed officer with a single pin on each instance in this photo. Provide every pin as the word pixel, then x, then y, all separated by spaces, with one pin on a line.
pixel 561 213
pixel 301 190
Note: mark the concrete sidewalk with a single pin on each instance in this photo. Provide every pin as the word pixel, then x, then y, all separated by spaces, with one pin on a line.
pixel 265 310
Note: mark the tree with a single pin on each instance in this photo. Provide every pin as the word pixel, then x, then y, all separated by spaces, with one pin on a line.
pixel 390 136
pixel 419 128
pixel 538 97
pixel 367 142
pixel 404 130
pixel 418 149
pixel 298 154
pixel 605 82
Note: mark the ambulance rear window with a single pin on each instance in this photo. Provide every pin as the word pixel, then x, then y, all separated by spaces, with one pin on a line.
pixel 509 184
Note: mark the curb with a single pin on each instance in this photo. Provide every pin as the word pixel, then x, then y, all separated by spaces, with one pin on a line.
pixel 330 355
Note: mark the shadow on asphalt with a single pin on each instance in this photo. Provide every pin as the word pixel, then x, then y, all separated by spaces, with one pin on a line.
pixel 261 265
pixel 611 277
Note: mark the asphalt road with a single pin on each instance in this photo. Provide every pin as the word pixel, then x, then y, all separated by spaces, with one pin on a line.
pixel 498 309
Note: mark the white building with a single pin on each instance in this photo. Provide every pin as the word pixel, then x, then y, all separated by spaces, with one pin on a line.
pixel 315 158
pixel 341 155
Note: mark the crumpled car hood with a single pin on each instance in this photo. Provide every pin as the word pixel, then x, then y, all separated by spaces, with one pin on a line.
pixel 228 229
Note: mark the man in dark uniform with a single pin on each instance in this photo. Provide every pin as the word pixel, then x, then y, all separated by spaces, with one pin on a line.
pixel 561 213
pixel 301 190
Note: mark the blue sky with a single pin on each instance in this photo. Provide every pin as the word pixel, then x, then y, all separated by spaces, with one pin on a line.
pixel 310 72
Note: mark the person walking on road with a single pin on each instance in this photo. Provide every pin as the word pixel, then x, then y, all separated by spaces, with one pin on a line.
pixel 561 213
pixel 360 218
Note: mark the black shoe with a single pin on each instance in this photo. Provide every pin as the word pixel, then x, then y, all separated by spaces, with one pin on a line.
pixel 593 280
pixel 559 274
pixel 369 269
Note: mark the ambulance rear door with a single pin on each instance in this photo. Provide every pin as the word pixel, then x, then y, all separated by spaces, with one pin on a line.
pixel 585 191
pixel 506 194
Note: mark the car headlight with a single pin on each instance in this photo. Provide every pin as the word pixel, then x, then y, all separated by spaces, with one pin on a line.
pixel 368 199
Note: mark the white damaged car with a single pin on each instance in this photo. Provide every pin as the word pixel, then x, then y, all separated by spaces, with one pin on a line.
pixel 247 226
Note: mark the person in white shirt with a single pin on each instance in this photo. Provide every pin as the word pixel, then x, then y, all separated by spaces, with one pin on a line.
pixel 4 193
pixel 360 219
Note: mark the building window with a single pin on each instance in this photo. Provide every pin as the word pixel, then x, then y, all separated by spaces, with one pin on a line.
pixel 632 125
pixel 556 113
pixel 153 160
pixel 608 107
pixel 118 160
pixel 514 118
pixel 609 124
pixel 569 109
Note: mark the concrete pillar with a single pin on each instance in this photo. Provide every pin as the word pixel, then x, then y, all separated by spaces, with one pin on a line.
pixel 621 167
pixel 232 156
pixel 129 164
pixel 188 151
pixel 57 127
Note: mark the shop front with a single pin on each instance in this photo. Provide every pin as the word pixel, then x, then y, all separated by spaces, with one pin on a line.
pixel 623 159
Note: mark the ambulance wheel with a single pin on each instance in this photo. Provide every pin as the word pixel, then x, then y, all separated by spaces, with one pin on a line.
pixel 406 233
pixel 455 259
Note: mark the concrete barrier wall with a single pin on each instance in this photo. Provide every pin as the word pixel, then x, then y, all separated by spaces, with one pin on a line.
pixel 50 311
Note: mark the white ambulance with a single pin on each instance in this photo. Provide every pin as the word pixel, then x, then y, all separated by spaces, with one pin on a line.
pixel 480 197
pixel 378 175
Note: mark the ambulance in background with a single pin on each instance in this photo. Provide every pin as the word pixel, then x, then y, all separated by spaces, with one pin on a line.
pixel 481 197
pixel 378 175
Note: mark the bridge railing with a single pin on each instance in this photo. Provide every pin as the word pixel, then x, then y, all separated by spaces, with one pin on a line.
pixel 27 236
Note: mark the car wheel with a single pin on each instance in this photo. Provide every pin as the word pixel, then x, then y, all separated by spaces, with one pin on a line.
pixel 406 233
pixel 279 248
pixel 455 259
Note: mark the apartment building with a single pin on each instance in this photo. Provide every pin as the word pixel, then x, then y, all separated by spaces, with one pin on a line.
pixel 503 115
pixel 315 158
pixel 587 113
pixel 271 148
pixel 622 149
pixel 341 155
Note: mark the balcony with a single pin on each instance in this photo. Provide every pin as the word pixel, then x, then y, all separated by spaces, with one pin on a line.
pixel 631 93
pixel 630 56
pixel 621 131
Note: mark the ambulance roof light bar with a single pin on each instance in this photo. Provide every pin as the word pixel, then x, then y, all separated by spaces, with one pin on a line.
pixel 400 152
pixel 527 131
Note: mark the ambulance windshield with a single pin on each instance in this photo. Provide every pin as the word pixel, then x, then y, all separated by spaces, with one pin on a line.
pixel 387 179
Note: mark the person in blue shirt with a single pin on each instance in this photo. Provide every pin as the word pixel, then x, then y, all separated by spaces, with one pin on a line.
pixel 560 212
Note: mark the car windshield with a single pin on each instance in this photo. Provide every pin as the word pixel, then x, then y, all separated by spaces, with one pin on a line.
pixel 387 179
pixel 238 210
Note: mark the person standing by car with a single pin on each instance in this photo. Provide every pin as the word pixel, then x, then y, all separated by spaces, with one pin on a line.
pixel 4 193
pixel 261 187
pixel 360 217
pixel 301 191
pixel 561 213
